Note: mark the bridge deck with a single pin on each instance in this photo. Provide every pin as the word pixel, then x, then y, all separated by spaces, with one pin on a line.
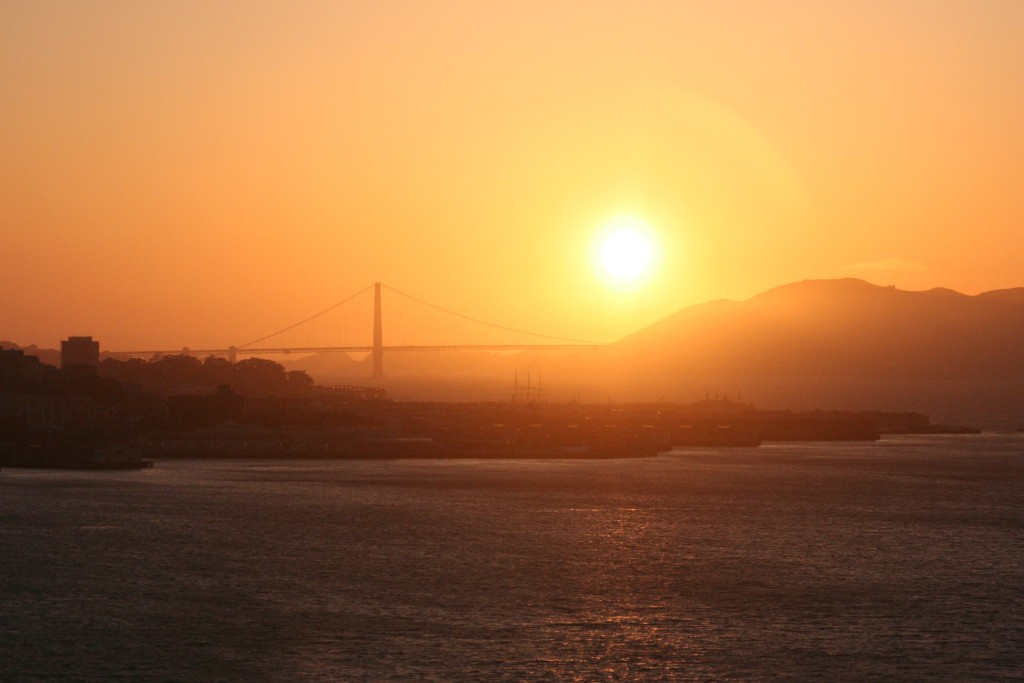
pixel 368 349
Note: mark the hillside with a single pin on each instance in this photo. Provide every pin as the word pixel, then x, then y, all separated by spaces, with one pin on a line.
pixel 843 344
pixel 842 328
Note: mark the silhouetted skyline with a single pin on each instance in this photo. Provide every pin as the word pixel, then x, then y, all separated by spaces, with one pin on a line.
pixel 832 343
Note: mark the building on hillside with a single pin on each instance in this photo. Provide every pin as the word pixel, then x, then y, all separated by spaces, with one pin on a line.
pixel 79 352
pixel 19 371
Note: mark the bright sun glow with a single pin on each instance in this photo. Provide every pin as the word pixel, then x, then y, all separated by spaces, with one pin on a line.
pixel 626 250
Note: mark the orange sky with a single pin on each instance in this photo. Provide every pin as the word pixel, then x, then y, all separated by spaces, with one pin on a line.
pixel 202 173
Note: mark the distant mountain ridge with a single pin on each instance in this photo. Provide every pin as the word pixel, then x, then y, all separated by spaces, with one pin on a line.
pixel 843 344
pixel 816 329
pixel 842 328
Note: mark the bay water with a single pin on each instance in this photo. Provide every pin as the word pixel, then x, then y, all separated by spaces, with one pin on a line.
pixel 896 560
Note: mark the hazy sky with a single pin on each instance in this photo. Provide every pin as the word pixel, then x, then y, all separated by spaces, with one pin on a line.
pixel 204 172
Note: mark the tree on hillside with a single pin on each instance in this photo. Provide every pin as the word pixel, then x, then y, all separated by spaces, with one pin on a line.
pixel 255 376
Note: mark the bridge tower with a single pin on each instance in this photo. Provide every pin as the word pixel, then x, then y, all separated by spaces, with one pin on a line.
pixel 378 335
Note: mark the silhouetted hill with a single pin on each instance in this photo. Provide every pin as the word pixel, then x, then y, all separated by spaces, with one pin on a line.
pixel 330 367
pixel 843 344
pixel 841 328
pixel 1010 295
pixel 831 344
pixel 47 356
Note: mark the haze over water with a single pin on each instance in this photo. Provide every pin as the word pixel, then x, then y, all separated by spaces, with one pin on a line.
pixel 896 560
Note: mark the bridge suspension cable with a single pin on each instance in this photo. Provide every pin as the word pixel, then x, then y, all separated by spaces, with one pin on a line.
pixel 306 320
pixel 346 334
pixel 490 324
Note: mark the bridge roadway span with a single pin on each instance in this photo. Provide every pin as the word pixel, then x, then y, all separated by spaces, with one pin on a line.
pixel 367 349
pixel 377 348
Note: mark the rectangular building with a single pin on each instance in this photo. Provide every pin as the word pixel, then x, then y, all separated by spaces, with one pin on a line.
pixel 79 351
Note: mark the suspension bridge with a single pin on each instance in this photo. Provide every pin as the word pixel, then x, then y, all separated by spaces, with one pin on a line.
pixel 355 325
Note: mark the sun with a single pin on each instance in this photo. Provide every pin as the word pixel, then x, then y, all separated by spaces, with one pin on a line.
pixel 626 251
